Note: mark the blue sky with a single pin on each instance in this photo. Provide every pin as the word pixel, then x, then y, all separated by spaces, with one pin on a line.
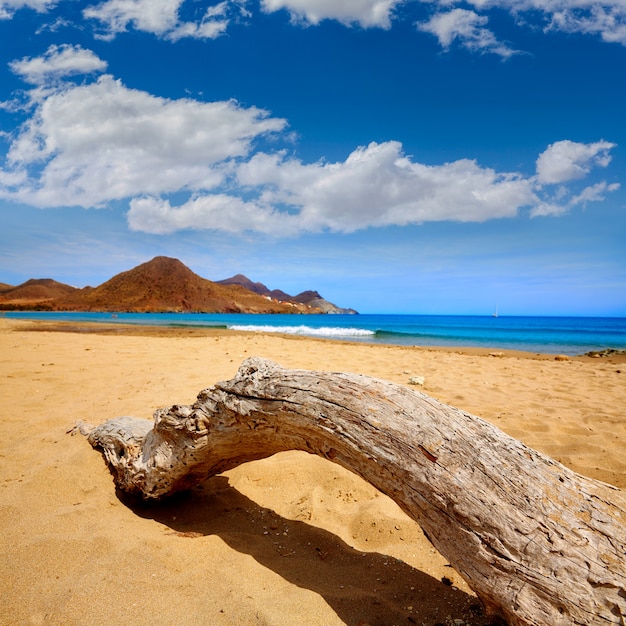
pixel 397 156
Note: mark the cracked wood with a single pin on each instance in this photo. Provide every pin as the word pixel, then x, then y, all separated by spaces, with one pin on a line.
pixel 538 543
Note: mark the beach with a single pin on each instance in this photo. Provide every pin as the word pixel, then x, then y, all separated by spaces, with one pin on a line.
pixel 292 539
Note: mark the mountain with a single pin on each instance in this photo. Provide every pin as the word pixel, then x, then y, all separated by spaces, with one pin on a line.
pixel 260 288
pixel 307 298
pixel 34 293
pixel 313 299
pixel 246 283
pixel 167 285
pixel 161 285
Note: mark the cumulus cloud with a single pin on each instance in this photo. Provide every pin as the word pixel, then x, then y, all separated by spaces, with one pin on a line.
pixel 568 160
pixel 378 185
pixel 153 16
pixel 366 13
pixel 159 17
pixel 58 62
pixel 208 212
pixel 87 145
pixel 605 18
pixel 91 144
pixel 9 7
pixel 451 21
pixel 467 28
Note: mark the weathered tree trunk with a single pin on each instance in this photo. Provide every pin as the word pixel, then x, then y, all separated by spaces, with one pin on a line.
pixel 538 543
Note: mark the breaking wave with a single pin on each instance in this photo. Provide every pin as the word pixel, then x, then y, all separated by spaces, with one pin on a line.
pixel 324 331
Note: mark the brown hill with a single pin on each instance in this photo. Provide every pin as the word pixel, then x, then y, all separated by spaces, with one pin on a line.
pixel 313 299
pixel 246 283
pixel 36 292
pixel 260 288
pixel 306 298
pixel 165 284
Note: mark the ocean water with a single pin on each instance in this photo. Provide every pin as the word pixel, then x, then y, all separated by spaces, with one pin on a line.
pixel 548 335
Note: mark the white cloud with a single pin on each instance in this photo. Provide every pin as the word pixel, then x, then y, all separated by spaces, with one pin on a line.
pixel 153 16
pixel 159 17
pixel 213 24
pixel 593 193
pixel 545 209
pixel 468 29
pixel 57 62
pixel 95 143
pixel 215 212
pixel 9 7
pixel 568 160
pixel 452 21
pixel 378 185
pixel 366 13
pixel 375 186
pixel 560 204
pixel 12 179
pixel 91 144
pixel 606 18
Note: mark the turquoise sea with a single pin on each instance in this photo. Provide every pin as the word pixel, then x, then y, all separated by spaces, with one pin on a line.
pixel 551 335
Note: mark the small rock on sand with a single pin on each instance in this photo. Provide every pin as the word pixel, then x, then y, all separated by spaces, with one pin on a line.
pixel 416 380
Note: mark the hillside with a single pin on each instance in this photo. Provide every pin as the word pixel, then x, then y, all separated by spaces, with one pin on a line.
pixel 307 298
pixel 167 285
pixel 34 293
pixel 161 285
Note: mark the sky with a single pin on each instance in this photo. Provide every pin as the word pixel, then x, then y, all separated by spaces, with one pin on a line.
pixel 398 156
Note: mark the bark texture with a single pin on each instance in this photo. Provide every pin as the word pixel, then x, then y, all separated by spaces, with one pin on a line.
pixel 539 544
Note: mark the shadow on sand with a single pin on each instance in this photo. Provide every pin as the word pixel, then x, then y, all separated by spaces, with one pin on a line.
pixel 361 587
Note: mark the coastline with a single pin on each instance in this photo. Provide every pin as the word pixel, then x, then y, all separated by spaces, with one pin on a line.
pixel 273 540
pixel 565 336
pixel 158 330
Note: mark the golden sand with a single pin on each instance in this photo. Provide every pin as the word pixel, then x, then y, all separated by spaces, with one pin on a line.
pixel 289 540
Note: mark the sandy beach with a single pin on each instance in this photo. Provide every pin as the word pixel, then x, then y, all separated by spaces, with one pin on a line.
pixel 293 539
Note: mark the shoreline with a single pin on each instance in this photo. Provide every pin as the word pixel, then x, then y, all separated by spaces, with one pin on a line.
pixel 273 540
pixel 157 330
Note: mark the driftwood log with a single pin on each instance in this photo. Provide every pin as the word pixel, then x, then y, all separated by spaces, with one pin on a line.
pixel 538 543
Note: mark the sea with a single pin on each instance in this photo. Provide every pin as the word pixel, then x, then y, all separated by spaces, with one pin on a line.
pixel 544 335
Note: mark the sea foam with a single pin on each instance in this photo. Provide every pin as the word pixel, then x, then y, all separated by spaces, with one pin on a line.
pixel 324 331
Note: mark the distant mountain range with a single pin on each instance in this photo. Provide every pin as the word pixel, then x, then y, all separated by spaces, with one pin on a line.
pixel 307 298
pixel 162 285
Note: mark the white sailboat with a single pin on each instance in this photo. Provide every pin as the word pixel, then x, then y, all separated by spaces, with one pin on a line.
pixel 495 313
